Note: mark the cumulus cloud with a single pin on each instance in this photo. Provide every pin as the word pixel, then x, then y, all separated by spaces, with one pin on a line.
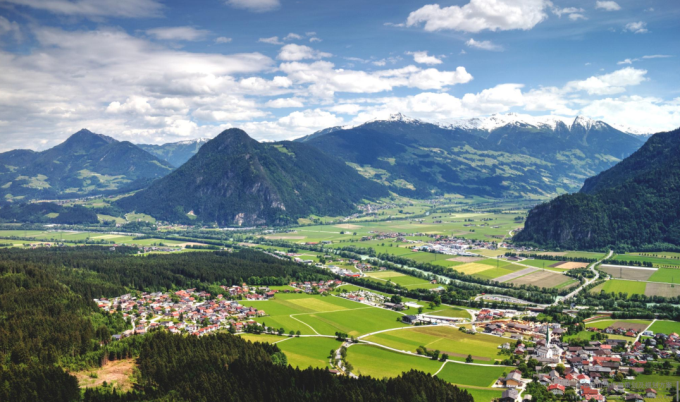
pixel 424 58
pixel 292 36
pixel 257 6
pixel 642 113
pixel 484 44
pixel 223 39
pixel 314 40
pixel 274 40
pixel 178 33
pixel 293 52
pixel 609 84
pixel 284 103
pixel 8 27
pixel 636 27
pixel 607 5
pixel 479 15
pixel 96 8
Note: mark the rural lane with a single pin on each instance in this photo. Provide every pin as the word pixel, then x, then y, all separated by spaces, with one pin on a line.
pixel 588 281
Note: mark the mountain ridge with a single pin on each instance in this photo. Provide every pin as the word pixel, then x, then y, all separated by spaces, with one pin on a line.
pixel 236 180
pixel 633 204
pixel 83 164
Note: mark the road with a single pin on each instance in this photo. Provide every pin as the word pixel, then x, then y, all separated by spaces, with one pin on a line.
pixel 588 281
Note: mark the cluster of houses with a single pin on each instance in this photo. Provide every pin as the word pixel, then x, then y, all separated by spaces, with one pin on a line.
pixel 314 286
pixel 186 311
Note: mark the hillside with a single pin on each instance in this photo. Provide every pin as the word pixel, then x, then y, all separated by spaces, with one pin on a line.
pixel 634 203
pixel 503 155
pixel 175 153
pixel 235 180
pixel 86 163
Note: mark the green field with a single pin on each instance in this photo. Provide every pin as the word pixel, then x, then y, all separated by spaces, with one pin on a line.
pixel 621 286
pixel 458 345
pixel 448 312
pixel 325 314
pixel 484 394
pixel 266 338
pixel 306 352
pixel 479 376
pixel 668 275
pixel 378 362
pixel 656 259
pixel 602 324
pixel 400 279
pixel 665 327
pixel 355 322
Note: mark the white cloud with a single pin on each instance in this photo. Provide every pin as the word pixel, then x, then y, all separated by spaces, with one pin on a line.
pixel 223 39
pixel 96 8
pixel 294 125
pixel 292 36
pixel 324 81
pixel 608 84
pixel 484 44
pixel 311 33
pixel 495 100
pixel 657 56
pixel 8 27
pixel 178 33
pixel 117 84
pixel 607 5
pixel 644 113
pixel 423 58
pixel 627 61
pixel 636 27
pixel 255 5
pixel 314 40
pixel 479 15
pixel 284 103
pixel 577 16
pixel 293 52
pixel 346 108
pixel 569 10
pixel 274 40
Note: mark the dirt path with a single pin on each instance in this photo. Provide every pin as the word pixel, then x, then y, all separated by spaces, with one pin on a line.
pixel 115 372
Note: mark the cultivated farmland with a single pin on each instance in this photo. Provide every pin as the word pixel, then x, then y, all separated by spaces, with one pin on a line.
pixel 457 344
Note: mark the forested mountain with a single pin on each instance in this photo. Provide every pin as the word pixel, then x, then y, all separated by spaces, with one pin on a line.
pixel 235 180
pixel 175 153
pixel 634 203
pixel 85 163
pixel 507 155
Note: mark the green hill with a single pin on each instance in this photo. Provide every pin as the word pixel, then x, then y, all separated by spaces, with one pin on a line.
pixel 635 203
pixel 86 163
pixel 235 180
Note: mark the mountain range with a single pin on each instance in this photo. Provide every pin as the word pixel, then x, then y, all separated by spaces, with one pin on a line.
pixel 499 156
pixel 235 180
pixel 175 153
pixel 633 204
pixel 86 163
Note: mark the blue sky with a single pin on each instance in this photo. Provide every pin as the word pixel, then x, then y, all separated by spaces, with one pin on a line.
pixel 157 71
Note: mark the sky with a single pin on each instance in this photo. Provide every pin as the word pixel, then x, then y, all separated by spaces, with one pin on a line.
pixel 155 71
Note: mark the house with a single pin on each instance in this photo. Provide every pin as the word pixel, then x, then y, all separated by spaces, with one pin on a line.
pixel 509 395
pixel 514 379
pixel 650 393
pixel 409 319
pixel 556 389
pixel 634 398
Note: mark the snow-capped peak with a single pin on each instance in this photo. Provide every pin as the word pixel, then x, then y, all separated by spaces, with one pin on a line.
pixel 194 141
pixel 401 117
pixel 499 120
